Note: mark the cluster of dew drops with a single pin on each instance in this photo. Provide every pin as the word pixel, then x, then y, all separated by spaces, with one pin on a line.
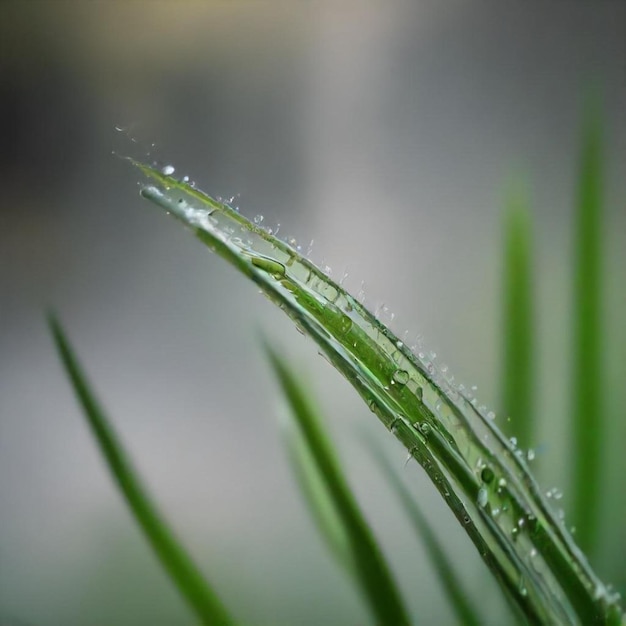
pixel 383 314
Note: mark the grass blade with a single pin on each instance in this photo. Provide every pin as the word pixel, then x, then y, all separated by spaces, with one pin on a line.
pixel 517 388
pixel 370 566
pixel 588 425
pixel 181 569
pixel 317 498
pixel 512 525
pixel 459 601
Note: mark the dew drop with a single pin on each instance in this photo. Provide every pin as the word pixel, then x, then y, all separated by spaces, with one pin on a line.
pixel 487 475
pixel 401 377
pixel 168 170
pixel 482 497
pixel 345 324
pixel 424 428
pixel 274 268
pixel 491 415
pixel 258 219
pixel 530 455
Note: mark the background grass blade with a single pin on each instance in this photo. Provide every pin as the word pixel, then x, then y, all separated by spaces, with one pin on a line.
pixel 369 564
pixel 181 569
pixel 587 411
pixel 444 569
pixel 517 371
pixel 317 498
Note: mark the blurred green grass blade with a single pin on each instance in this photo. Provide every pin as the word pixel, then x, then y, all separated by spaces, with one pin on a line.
pixel 317 498
pixel 370 566
pixel 588 425
pixel 181 569
pixel 444 568
pixel 517 387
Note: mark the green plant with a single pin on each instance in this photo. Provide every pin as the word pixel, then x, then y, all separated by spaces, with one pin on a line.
pixel 481 474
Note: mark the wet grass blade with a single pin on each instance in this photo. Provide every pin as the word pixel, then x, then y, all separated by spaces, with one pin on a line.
pixel 515 530
pixel 458 600
pixel 588 417
pixel 182 570
pixel 370 567
pixel 517 387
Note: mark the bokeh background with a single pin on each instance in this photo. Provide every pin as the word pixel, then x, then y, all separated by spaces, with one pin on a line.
pixel 386 133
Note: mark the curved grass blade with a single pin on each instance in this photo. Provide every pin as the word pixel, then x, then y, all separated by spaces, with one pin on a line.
pixel 518 535
pixel 466 613
pixel 370 566
pixel 182 570
pixel 588 425
pixel 517 387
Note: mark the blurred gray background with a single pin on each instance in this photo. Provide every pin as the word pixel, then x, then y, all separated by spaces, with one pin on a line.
pixel 386 133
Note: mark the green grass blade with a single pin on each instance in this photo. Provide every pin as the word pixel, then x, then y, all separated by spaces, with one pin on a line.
pixel 588 417
pixel 511 523
pixel 370 566
pixel 458 600
pixel 181 569
pixel 517 387
pixel 317 498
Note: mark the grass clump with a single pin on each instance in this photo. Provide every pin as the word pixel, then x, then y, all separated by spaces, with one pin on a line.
pixel 481 474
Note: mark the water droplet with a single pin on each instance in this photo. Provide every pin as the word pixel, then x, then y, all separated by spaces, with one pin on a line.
pixel 274 268
pixel 522 587
pixel 401 377
pixel 513 442
pixel 168 170
pixel 491 415
pixel 502 483
pixel 487 475
pixel 424 428
pixel 482 497
pixel 345 324
pixel 185 179
pixel 257 219
pixel 419 393
pixel 530 455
